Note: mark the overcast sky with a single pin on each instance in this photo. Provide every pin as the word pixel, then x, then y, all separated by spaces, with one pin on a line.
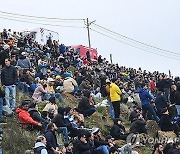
pixel 155 22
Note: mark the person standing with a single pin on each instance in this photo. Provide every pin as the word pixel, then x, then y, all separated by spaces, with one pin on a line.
pixel 115 97
pixel 146 98
pixel 9 81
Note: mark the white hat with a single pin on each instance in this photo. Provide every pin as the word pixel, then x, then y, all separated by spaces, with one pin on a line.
pixel 50 80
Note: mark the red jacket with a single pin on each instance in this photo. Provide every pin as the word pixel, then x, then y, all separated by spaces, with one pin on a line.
pixel 153 85
pixel 24 117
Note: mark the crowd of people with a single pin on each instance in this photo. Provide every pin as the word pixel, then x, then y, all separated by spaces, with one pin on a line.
pixel 43 73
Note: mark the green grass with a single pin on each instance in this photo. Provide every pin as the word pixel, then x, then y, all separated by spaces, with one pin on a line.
pixel 16 140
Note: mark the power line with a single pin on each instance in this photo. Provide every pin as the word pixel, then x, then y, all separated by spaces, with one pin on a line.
pixel 37 16
pixel 135 46
pixel 35 19
pixel 40 23
pixel 137 41
pixel 134 43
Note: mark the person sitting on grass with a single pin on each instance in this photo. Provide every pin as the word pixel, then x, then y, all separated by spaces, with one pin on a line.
pixel 118 130
pixel 139 125
pixel 84 106
pixel 24 116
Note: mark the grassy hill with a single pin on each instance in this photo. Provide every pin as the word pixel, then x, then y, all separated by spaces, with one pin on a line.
pixel 17 140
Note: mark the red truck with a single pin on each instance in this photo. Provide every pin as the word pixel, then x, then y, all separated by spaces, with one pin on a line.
pixel 81 49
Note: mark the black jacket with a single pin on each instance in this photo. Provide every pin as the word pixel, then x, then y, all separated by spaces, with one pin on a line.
pixel 165 123
pixel 9 76
pixel 177 97
pixel 59 121
pixel 160 102
pixel 79 147
pixel 84 104
pixel 117 130
pixel 136 125
pixel 51 141
pixel 98 142
pixel 36 115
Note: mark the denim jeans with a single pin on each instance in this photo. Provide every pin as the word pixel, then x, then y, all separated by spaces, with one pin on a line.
pixel 149 108
pixel 64 131
pixel 111 109
pixel 178 109
pixel 103 149
pixel 10 90
pixel 88 112
pixel 76 89
pixel 1 105
pixel 56 95
pixel 22 86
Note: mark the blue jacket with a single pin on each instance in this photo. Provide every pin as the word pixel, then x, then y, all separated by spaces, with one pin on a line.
pixel 145 97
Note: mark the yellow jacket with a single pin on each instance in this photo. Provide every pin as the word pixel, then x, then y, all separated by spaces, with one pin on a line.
pixel 115 92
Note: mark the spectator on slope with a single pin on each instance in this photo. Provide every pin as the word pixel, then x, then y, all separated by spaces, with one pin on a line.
pixel 146 98
pixel 166 124
pixel 24 116
pixel 70 85
pixel 158 149
pixel 118 130
pixel 36 115
pixel 61 125
pixel 52 145
pixel 84 105
pixel 115 96
pixel 40 145
pixel 99 143
pixel 160 103
pixel 51 105
pixel 175 149
pixel 172 93
pixel 177 99
pixel 138 125
pixel 111 109
pixel 85 85
pixel 81 145
pixel 134 113
pixel 23 61
pixel 58 85
pixel 39 91
pixel 51 91
pixel 9 81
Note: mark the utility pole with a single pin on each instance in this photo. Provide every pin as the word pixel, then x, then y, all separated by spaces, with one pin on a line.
pixel 111 58
pixel 88 24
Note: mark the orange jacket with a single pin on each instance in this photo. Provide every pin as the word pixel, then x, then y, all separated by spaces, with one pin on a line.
pixel 24 117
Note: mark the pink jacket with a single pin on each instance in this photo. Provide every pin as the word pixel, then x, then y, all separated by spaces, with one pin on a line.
pixel 39 91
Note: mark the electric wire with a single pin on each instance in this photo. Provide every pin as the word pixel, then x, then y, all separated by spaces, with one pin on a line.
pixel 135 46
pixel 39 17
pixel 157 48
pixel 57 25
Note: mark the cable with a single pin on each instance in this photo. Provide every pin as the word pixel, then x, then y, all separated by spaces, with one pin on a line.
pixel 37 16
pixel 135 43
pixel 135 46
pixel 136 40
pixel 41 23
pixel 45 20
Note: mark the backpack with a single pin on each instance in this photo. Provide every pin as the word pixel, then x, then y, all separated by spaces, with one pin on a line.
pixel 38 149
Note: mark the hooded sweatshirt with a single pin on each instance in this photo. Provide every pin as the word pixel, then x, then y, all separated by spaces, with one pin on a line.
pixel 40 144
